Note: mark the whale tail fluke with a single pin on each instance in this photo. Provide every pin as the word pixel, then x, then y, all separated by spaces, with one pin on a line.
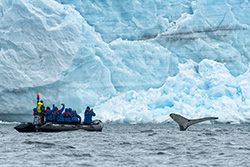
pixel 184 123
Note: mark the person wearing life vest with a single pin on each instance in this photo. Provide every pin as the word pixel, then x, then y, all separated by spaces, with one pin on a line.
pixel 76 119
pixel 35 112
pixel 40 106
pixel 58 116
pixel 39 109
pixel 49 114
pixel 67 115
pixel 88 116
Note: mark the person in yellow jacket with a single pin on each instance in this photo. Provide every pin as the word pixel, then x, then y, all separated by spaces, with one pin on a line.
pixel 40 108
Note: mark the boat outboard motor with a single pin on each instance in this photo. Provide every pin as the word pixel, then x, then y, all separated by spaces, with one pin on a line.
pixel 37 122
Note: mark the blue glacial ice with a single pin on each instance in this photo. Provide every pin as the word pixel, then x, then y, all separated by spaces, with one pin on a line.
pixel 198 90
pixel 133 61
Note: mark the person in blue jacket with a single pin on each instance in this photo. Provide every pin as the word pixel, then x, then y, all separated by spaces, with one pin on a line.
pixel 35 112
pixel 49 114
pixel 57 115
pixel 76 119
pixel 41 116
pixel 88 116
pixel 67 115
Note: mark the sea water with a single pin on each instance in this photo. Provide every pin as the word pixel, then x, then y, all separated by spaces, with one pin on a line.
pixel 128 145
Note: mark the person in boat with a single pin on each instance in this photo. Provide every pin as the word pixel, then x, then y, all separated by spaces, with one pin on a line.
pixel 40 108
pixel 88 116
pixel 58 116
pixel 35 112
pixel 67 115
pixel 76 119
pixel 49 114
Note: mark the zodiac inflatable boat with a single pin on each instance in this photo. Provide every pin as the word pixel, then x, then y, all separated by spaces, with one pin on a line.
pixel 96 125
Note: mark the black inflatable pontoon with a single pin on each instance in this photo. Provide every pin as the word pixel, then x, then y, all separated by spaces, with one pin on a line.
pixel 96 125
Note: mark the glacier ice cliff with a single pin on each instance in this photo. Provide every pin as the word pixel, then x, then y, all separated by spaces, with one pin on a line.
pixel 133 61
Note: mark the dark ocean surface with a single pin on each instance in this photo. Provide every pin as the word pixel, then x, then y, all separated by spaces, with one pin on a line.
pixel 128 145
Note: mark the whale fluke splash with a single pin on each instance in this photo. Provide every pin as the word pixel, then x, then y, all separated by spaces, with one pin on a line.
pixel 184 123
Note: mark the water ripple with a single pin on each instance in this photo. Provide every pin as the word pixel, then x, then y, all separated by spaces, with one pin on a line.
pixel 129 145
pixel 44 144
